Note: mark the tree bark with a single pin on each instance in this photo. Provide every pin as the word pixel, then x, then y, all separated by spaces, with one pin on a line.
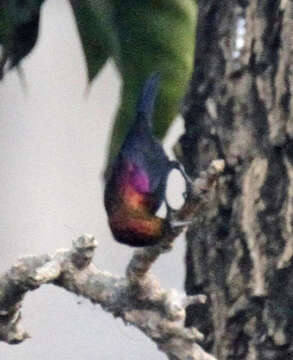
pixel 240 109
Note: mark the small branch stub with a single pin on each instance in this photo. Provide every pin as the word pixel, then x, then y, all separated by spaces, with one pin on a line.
pixel 84 248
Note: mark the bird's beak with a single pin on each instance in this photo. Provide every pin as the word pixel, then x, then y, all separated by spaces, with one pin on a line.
pixel 177 223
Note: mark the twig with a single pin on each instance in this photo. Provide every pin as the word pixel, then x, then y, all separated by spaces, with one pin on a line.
pixel 137 298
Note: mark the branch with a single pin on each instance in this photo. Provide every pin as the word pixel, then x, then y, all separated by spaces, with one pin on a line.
pixel 138 298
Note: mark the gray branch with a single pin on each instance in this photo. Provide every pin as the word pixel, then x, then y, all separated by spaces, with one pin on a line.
pixel 138 298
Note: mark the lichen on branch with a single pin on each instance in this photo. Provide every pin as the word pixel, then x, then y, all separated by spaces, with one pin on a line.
pixel 137 298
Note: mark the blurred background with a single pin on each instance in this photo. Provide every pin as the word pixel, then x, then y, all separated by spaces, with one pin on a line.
pixel 53 139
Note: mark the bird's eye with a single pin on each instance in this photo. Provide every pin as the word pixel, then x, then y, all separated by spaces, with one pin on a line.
pixel 176 187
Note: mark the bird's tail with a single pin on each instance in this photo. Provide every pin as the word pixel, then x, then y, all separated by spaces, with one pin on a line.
pixel 146 102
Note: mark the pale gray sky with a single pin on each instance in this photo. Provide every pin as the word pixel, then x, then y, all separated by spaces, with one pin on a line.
pixel 53 141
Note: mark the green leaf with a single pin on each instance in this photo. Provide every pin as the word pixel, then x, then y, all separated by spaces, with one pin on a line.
pixel 19 28
pixel 94 22
pixel 154 36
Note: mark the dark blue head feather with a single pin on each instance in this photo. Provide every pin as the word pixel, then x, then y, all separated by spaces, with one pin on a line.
pixel 146 102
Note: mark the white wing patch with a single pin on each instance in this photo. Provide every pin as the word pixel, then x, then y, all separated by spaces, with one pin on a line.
pixel 176 187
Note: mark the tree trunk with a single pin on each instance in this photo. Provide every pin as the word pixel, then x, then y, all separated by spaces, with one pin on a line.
pixel 240 109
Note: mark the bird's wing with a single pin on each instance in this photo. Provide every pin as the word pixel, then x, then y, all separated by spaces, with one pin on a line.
pixel 154 163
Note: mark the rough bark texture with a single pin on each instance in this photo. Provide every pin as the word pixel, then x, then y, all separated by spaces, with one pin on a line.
pixel 240 109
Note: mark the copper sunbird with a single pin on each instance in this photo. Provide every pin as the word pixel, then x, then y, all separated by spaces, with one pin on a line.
pixel 136 186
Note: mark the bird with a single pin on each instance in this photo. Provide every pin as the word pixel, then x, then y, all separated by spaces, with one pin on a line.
pixel 135 188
